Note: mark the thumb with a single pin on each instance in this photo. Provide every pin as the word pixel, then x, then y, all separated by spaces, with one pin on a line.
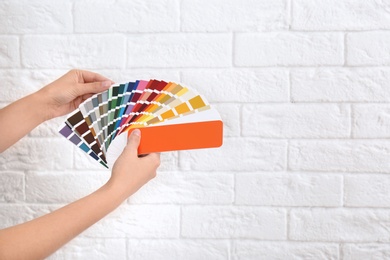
pixel 133 142
pixel 93 87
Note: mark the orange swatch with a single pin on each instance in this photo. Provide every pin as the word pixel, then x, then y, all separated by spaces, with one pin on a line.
pixel 206 134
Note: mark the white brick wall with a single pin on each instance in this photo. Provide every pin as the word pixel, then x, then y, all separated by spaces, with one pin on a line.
pixel 302 87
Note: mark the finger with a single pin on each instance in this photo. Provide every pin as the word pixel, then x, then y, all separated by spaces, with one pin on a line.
pixel 133 142
pixel 90 76
pixel 86 96
pixel 92 88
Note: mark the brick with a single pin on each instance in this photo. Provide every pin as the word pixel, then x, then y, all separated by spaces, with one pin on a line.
pixel 12 186
pixel 239 85
pixel 233 15
pixel 35 16
pixel 367 190
pixel 339 225
pixel 340 155
pixel 368 48
pixel 38 154
pixel 288 49
pixel 365 251
pixel 19 83
pixel 340 15
pixel 288 189
pixel 233 222
pixel 179 50
pixel 371 121
pixel 90 248
pixel 230 115
pixel 138 221
pixel 48 128
pixel 123 76
pixel 177 249
pixel 9 51
pixel 340 85
pixel 124 16
pixel 70 51
pixel 53 187
pixel 283 250
pixel 187 188
pixel 296 120
pixel 237 154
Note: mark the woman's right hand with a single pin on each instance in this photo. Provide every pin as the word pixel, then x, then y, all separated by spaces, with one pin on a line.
pixel 131 172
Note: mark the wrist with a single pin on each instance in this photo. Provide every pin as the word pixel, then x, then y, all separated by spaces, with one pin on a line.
pixel 40 106
pixel 118 191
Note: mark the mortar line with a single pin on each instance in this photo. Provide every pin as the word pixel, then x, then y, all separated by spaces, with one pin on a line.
pixel 345 49
pixel 290 14
pixel 352 119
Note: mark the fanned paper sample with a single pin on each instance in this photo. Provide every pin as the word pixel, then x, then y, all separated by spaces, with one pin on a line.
pixel 171 117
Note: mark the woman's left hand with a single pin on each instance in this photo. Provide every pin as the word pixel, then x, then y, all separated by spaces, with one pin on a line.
pixel 66 93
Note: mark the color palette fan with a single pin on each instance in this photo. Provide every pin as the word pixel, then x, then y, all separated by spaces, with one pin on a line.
pixel 171 117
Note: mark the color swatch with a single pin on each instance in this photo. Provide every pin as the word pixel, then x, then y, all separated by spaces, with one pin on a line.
pixel 170 117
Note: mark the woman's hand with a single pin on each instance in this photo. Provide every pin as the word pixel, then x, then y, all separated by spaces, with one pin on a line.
pixel 56 99
pixel 66 93
pixel 131 172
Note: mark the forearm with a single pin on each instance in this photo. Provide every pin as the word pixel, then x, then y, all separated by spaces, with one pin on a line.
pixel 19 118
pixel 41 237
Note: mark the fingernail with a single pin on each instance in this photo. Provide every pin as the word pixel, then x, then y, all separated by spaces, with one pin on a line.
pixel 136 132
pixel 106 84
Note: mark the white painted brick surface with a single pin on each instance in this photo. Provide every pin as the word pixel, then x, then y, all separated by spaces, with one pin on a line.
pixel 367 190
pixel 233 15
pixel 9 52
pixel 340 15
pixel 38 154
pixel 303 90
pixel 48 128
pixel 179 50
pixel 343 225
pixel 288 189
pixel 233 222
pixel 237 154
pixel 366 251
pixel 226 85
pixel 18 83
pixel 12 186
pixel 177 249
pixel 340 155
pixel 340 85
pixel 35 16
pixel 368 48
pixel 371 121
pixel 251 250
pixel 145 74
pixel 288 49
pixel 69 51
pixel 230 114
pixel 296 121
pixel 125 16
pixel 187 188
